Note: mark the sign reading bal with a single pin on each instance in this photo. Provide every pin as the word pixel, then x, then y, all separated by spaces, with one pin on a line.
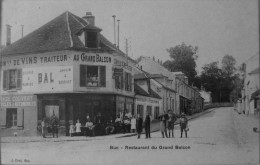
pixel 46 79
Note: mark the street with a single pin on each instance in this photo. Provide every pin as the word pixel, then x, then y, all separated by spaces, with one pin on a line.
pixel 221 136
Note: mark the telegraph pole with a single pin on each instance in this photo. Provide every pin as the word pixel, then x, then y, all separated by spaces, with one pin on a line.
pixel 114 18
pixel 118 33
pixel 22 31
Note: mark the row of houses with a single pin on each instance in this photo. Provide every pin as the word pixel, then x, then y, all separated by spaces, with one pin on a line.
pixel 250 101
pixel 68 68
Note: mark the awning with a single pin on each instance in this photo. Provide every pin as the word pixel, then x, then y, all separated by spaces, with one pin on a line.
pixel 256 94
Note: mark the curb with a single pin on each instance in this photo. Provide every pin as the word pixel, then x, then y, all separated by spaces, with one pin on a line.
pixel 119 136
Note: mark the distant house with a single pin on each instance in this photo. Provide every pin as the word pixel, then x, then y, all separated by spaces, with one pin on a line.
pixel 251 92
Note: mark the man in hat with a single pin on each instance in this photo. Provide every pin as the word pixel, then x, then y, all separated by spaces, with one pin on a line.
pixel 54 125
pixel 139 125
pixel 183 124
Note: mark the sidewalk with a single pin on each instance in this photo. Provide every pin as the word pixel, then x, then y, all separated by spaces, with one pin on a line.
pixel 244 128
pixel 155 126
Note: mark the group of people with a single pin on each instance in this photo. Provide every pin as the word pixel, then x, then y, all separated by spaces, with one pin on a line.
pixel 167 122
pixel 89 128
pixel 123 123
pixel 52 126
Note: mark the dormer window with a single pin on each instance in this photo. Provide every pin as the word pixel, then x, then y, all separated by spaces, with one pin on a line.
pixel 91 32
pixel 91 39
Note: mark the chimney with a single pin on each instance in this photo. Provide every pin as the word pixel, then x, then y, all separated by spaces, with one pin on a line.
pixel 8 35
pixel 89 18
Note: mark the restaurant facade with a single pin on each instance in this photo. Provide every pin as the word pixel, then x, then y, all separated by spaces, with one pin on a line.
pixel 69 76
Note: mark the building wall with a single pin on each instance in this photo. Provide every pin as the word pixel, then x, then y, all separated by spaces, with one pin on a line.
pixel 251 83
pixel 148 101
pixel 63 75
pixel 54 73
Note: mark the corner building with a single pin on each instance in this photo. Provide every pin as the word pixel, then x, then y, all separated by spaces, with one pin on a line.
pixel 66 67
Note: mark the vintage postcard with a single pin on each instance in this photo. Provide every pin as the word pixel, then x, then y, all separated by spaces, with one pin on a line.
pixel 129 82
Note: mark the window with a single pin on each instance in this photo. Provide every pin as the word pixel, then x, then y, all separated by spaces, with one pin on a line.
pixel 140 110
pixel 118 74
pixel 12 79
pixel 11 117
pixel 173 105
pixel 149 110
pixel 156 112
pixel 92 76
pixel 128 82
pixel 91 39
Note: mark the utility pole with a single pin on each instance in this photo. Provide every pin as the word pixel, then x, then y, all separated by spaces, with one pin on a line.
pixel 126 50
pixel 22 31
pixel 118 33
pixel 114 18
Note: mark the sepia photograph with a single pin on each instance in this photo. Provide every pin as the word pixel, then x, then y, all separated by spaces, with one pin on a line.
pixel 144 82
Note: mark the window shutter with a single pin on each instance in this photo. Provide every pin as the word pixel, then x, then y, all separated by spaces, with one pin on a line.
pixel 82 75
pixel 126 77
pixel 3 117
pixel 5 80
pixel 130 82
pixel 122 81
pixel 19 79
pixel 20 117
pixel 102 76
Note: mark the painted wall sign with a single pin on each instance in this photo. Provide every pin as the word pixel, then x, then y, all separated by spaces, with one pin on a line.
pixel 55 58
pixel 122 64
pixel 17 101
pixel 46 79
pixel 84 57
pixel 54 78
pixel 28 60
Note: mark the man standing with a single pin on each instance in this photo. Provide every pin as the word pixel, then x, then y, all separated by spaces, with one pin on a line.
pixel 183 124
pixel 54 124
pixel 147 124
pixel 139 125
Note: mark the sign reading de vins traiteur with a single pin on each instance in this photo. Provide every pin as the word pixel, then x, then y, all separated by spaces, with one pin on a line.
pixel 50 59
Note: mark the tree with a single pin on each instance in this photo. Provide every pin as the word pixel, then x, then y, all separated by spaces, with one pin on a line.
pixel 183 59
pixel 211 79
pixel 224 83
pixel 228 65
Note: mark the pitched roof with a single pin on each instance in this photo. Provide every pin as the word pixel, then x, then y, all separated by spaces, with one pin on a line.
pixel 255 71
pixel 140 91
pixel 58 34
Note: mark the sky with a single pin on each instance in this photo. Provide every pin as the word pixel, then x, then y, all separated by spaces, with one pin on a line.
pixel 217 27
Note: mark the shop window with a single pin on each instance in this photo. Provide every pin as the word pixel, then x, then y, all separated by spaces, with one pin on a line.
pixel 118 74
pixel 12 79
pixel 91 39
pixel 11 117
pixel 50 110
pixel 120 108
pixel 140 110
pixel 92 76
pixel 149 110
pixel 156 112
pixel 128 82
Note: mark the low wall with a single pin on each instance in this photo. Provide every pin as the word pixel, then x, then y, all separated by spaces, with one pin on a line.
pixel 214 105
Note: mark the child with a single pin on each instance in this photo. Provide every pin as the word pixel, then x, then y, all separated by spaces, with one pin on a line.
pixel 78 126
pixel 133 124
pixel 183 124
pixel 72 129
